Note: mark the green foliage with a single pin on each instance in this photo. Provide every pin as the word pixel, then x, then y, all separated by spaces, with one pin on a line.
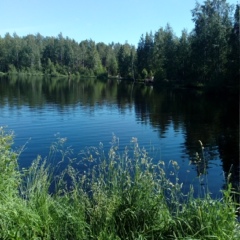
pixel 206 219
pixel 12 69
pixel 126 60
pixel 112 64
pixel 145 53
pixel 144 73
pixel 208 55
pixel 122 196
pixel 183 60
pixel 233 70
pixel 102 75
pixel 209 41
pixel 8 166
pixel 27 209
pixel 50 69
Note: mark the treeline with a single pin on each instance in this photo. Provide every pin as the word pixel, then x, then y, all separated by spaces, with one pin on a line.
pixel 56 55
pixel 208 55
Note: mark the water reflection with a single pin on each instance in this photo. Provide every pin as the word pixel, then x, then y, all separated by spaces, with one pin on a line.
pixel 208 117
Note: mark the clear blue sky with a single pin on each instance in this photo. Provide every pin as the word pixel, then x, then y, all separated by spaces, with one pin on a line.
pixel 99 20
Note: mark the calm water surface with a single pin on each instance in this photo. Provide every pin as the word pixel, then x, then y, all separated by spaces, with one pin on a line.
pixel 168 123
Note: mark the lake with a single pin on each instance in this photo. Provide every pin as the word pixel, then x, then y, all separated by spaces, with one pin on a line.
pixel 167 123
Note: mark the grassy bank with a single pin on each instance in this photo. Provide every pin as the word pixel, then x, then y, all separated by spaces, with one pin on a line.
pixel 119 196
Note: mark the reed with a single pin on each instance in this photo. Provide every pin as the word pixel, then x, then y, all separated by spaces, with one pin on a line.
pixel 119 196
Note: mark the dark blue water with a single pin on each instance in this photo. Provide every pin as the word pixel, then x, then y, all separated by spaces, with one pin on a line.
pixel 167 123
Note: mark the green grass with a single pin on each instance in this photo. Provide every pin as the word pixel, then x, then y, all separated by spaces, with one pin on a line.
pixel 120 196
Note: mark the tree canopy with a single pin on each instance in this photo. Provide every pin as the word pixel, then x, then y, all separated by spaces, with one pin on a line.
pixel 208 55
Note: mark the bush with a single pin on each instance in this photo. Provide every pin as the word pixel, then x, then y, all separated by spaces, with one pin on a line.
pixel 12 69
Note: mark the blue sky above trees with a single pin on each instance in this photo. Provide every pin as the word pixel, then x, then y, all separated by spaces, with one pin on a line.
pixel 99 20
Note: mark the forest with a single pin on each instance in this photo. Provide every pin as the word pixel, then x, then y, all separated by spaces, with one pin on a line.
pixel 207 56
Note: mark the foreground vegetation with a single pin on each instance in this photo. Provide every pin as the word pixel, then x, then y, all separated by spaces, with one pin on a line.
pixel 119 196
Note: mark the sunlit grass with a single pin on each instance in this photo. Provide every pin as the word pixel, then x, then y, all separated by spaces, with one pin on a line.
pixel 118 196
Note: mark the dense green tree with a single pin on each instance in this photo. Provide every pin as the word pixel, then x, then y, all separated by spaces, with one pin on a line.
pixel 16 47
pixel 50 68
pixel 165 54
pixel 210 39
pixel 183 57
pixel 233 63
pixel 144 73
pixel 158 55
pixel 76 56
pixel 102 49
pixel 145 53
pixel 93 60
pixel 30 56
pixel 170 53
pixel 59 46
pixel 68 54
pixel 140 54
pixel 111 63
pixel 126 57
pixel 49 50
pixel 122 62
pixel 3 67
pixel 8 52
pixel 83 53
